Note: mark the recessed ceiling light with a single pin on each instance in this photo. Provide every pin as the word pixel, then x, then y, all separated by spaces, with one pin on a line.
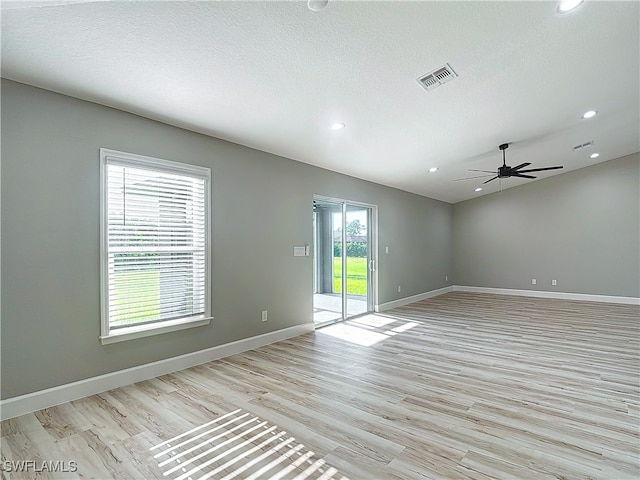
pixel 433 169
pixel 337 126
pixel 594 155
pixel 478 189
pixel 589 114
pixel 317 5
pixel 568 5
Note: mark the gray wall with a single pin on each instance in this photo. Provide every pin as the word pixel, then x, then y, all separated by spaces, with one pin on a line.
pixel 581 228
pixel 262 206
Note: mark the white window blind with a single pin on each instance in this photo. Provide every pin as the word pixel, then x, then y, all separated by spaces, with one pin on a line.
pixel 156 237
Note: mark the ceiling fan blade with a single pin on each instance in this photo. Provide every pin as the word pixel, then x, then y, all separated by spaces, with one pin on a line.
pixel 471 178
pixel 539 169
pixel 486 171
pixel 522 165
pixel 490 180
pixel 522 176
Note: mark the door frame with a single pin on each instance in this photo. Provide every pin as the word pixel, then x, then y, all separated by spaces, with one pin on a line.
pixel 372 248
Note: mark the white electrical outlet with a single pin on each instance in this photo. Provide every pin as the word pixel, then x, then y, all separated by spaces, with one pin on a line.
pixel 399 288
pixel 554 282
pixel 264 316
pixel 533 281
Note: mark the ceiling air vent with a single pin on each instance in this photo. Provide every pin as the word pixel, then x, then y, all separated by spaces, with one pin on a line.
pixel 437 77
pixel 581 146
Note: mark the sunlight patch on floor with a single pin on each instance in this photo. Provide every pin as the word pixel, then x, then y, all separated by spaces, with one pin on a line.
pixel 368 330
pixel 239 445
pixel 350 333
pixel 372 321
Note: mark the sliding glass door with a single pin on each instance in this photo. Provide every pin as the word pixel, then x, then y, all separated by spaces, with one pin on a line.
pixel 344 264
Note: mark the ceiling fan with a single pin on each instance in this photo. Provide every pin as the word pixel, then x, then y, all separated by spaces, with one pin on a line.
pixel 505 171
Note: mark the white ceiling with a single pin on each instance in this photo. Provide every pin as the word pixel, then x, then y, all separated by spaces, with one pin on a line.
pixel 275 76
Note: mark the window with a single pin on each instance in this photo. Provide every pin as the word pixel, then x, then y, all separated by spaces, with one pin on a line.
pixel 155 246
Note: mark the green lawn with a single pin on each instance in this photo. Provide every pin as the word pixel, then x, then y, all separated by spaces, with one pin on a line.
pixel 356 275
pixel 147 296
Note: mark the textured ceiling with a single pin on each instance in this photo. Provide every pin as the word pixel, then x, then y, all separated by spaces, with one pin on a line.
pixel 275 76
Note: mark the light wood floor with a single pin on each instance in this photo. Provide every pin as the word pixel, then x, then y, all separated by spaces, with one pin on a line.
pixel 459 386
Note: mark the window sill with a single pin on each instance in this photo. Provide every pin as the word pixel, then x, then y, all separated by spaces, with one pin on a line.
pixel 131 333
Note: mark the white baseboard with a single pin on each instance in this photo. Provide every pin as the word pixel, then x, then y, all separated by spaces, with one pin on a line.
pixel 509 291
pixel 544 294
pixel 412 299
pixel 31 402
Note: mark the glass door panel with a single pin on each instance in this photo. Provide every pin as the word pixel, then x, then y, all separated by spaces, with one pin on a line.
pixel 328 304
pixel 357 260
